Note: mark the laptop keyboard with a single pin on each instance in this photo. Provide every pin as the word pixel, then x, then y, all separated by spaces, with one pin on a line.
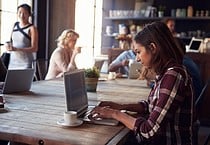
pixel 103 121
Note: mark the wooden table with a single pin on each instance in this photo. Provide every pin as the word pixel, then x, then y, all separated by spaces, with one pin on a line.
pixel 33 115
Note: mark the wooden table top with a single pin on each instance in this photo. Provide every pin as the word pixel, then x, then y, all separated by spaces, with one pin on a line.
pixel 32 116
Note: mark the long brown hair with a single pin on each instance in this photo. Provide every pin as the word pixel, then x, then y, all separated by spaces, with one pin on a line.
pixel 167 49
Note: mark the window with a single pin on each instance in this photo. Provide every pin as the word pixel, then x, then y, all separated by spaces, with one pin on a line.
pixel 88 23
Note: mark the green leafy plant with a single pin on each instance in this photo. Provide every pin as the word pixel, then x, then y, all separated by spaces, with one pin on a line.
pixel 92 72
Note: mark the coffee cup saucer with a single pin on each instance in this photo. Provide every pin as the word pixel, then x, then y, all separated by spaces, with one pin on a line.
pixel 63 124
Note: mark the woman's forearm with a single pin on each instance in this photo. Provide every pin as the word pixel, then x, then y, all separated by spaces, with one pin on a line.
pixel 124 118
pixel 134 107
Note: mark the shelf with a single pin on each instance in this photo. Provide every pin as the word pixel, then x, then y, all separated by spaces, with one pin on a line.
pixel 132 18
pixel 112 35
pixel 157 18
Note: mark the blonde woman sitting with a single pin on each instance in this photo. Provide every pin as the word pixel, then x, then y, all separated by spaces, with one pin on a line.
pixel 63 57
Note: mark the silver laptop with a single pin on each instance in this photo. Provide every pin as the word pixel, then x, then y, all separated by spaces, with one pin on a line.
pixel 18 80
pixel 77 99
pixel 134 68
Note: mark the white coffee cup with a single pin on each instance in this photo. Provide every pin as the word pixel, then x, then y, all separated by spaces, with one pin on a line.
pixel 112 75
pixel 131 61
pixel 70 117
pixel 8 45
pixel 109 30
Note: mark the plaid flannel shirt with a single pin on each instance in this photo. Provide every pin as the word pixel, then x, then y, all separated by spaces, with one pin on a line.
pixel 170 108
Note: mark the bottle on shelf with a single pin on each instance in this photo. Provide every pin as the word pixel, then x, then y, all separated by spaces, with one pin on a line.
pixel 189 11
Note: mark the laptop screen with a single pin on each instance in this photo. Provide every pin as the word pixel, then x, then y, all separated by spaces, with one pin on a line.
pixel 134 70
pixel 18 80
pixel 194 45
pixel 76 95
pixel 98 64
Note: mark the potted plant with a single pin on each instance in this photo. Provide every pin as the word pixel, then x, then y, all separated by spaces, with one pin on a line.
pixel 91 78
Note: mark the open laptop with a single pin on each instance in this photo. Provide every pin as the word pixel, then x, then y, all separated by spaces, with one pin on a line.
pixel 98 64
pixel 134 68
pixel 77 99
pixel 194 45
pixel 17 80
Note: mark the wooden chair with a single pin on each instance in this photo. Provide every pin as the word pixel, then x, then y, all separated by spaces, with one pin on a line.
pixel 113 53
pixel 41 68
pixel 207 121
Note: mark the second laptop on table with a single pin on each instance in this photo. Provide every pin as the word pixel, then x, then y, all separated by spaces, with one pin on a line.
pixel 18 80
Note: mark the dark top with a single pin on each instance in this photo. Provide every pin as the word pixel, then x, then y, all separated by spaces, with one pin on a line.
pixel 192 68
pixel 194 72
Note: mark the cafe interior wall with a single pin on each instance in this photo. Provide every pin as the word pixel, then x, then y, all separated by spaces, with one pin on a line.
pixel 61 16
pixel 90 21
pixel 69 14
pixel 51 17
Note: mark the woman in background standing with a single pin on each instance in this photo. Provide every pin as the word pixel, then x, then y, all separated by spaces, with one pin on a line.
pixel 24 40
